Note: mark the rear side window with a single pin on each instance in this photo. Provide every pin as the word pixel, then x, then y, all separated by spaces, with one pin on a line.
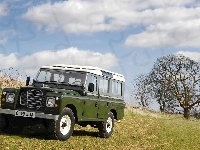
pixel 116 88
pixel 103 85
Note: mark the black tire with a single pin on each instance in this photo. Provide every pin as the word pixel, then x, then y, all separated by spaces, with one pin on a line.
pixel 10 125
pixel 106 127
pixel 66 120
pixel 3 122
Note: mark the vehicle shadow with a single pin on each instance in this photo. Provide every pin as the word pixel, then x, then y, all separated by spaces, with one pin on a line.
pixel 39 133
pixel 84 133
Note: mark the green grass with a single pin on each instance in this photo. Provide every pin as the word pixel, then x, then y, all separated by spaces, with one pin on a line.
pixel 136 131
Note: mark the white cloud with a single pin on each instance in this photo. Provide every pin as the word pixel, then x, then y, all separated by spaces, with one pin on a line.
pixel 5 35
pixel 163 23
pixel 172 34
pixel 192 55
pixel 3 41
pixel 3 9
pixel 31 63
pixel 3 12
pixel 93 16
pixel 174 26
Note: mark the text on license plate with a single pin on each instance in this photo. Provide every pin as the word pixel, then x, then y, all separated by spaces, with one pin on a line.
pixel 25 113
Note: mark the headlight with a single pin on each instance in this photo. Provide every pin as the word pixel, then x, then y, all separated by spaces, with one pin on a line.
pixel 10 97
pixel 50 101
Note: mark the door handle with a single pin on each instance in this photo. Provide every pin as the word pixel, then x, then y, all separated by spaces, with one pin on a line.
pixel 96 104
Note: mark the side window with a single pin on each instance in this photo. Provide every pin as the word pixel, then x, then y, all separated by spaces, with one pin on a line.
pixel 103 85
pixel 95 83
pixel 119 89
pixel 92 79
pixel 116 88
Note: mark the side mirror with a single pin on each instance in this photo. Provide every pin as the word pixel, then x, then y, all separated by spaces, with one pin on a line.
pixel 91 87
pixel 27 81
pixel 33 82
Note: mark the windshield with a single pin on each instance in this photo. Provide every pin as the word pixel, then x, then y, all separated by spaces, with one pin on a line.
pixel 61 76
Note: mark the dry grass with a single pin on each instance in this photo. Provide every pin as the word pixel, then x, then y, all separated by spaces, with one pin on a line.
pixel 136 131
pixel 11 78
pixel 139 130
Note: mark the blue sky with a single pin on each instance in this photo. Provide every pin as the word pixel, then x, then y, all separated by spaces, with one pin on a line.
pixel 124 36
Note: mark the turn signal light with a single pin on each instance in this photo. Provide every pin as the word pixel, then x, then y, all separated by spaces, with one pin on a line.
pixel 3 99
pixel 56 105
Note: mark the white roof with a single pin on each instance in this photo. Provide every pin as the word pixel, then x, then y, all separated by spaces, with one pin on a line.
pixel 90 69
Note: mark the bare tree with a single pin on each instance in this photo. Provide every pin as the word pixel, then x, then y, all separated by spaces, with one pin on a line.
pixel 177 77
pixel 145 92
pixel 141 92
pixel 164 98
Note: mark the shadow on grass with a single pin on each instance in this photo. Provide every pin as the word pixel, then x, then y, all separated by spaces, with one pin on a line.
pixel 84 133
pixel 39 133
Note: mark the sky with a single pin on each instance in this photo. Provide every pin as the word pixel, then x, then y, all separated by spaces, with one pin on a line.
pixel 124 36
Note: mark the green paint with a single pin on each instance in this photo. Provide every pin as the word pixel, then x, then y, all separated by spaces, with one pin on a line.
pixel 88 107
pixel 85 106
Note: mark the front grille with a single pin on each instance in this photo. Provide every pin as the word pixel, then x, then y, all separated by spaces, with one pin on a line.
pixel 32 98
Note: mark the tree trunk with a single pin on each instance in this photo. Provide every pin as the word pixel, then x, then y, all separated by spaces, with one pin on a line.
pixel 162 105
pixel 142 101
pixel 161 108
pixel 186 113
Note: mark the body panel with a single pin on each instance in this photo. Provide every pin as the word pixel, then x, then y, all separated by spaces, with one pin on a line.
pixel 87 105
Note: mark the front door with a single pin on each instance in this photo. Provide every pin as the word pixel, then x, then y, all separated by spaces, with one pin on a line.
pixel 90 107
pixel 103 107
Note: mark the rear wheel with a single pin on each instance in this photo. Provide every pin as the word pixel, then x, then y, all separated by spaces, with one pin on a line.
pixel 106 127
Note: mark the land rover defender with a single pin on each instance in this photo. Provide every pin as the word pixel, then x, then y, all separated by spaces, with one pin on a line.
pixel 64 95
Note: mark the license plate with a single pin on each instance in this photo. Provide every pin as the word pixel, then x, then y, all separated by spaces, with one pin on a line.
pixel 25 114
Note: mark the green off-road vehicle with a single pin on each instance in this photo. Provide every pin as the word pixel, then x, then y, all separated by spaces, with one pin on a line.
pixel 64 95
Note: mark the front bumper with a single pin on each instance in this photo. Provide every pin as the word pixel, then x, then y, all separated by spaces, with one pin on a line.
pixel 37 114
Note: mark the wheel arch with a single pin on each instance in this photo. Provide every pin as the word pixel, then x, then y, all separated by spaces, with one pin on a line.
pixel 75 104
pixel 114 113
pixel 73 108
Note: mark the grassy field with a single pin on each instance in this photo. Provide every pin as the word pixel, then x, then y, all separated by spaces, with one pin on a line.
pixel 136 131
pixel 139 130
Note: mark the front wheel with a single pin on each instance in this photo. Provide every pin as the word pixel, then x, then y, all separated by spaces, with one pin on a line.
pixel 63 128
pixel 106 127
